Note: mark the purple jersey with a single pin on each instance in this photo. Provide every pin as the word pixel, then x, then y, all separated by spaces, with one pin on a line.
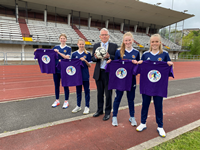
pixel 46 59
pixel 120 74
pixel 71 74
pixel 154 77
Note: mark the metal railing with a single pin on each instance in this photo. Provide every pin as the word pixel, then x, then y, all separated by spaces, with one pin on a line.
pixel 190 57
pixel 17 58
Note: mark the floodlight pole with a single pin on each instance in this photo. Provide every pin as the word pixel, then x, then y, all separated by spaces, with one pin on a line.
pixel 182 30
pixel 170 25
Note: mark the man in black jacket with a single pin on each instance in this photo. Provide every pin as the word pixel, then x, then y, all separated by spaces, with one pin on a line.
pixel 101 77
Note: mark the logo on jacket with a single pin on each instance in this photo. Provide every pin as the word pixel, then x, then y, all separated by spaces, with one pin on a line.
pixel 46 59
pixel 154 75
pixel 121 73
pixel 65 51
pixel 133 56
pixel 159 59
pixel 84 56
pixel 71 70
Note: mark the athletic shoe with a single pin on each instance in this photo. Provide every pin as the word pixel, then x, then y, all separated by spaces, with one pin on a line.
pixel 141 127
pixel 56 103
pixel 161 132
pixel 114 121
pixel 65 105
pixel 133 122
pixel 76 109
pixel 86 111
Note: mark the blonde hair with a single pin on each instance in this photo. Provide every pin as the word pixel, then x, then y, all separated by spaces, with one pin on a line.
pixel 63 34
pixel 160 47
pixel 85 51
pixel 122 48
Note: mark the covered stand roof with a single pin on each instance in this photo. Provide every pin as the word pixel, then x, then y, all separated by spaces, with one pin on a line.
pixel 126 9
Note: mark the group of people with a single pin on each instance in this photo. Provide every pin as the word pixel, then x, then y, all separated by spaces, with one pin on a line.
pixel 126 51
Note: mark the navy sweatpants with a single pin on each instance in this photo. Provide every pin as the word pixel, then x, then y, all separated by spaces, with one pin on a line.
pixel 56 78
pixel 158 104
pixel 130 98
pixel 86 86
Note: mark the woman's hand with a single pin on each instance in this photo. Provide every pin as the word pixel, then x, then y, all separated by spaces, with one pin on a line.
pixel 56 50
pixel 140 62
pixel 134 61
pixel 108 61
pixel 170 63
pixel 82 58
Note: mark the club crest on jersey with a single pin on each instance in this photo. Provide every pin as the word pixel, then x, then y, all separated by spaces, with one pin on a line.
pixel 154 75
pixel 46 59
pixel 65 51
pixel 133 56
pixel 71 70
pixel 121 73
pixel 84 56
pixel 159 59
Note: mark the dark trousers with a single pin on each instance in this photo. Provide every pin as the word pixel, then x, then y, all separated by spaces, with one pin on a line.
pixel 86 86
pixel 56 79
pixel 102 86
pixel 158 104
pixel 130 98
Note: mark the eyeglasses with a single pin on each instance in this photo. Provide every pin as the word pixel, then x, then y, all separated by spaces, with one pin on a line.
pixel 104 34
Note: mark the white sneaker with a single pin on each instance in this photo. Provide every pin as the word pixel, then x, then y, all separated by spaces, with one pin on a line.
pixel 161 132
pixel 114 121
pixel 133 121
pixel 86 111
pixel 76 109
pixel 56 103
pixel 65 105
pixel 141 127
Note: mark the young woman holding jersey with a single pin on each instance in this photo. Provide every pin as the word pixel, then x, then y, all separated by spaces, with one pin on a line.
pixel 64 52
pixel 85 56
pixel 156 53
pixel 126 52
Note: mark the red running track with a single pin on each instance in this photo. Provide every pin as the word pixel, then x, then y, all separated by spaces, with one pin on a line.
pixel 26 81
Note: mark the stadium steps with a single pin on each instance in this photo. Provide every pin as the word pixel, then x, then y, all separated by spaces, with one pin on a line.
pixel 24 29
pixel 81 35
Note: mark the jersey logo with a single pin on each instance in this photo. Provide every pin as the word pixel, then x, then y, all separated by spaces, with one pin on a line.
pixel 46 59
pixel 159 59
pixel 154 75
pixel 148 58
pixel 65 51
pixel 84 56
pixel 76 56
pixel 133 56
pixel 71 70
pixel 121 73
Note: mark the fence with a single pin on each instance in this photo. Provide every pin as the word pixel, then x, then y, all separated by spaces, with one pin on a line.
pixel 190 57
pixel 14 58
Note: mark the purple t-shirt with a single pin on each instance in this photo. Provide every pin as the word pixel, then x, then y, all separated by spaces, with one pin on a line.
pixel 154 77
pixel 120 74
pixel 46 59
pixel 71 74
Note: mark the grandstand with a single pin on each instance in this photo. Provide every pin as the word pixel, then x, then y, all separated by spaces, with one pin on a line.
pixel 31 24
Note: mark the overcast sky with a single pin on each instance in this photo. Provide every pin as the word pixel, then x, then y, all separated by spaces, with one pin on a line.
pixel 193 7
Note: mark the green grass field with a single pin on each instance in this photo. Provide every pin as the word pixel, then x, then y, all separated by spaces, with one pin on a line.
pixel 186 141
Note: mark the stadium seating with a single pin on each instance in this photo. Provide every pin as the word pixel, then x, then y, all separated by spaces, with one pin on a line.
pixel 9 29
pixel 42 32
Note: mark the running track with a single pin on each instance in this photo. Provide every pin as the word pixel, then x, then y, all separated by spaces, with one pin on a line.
pixel 26 81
